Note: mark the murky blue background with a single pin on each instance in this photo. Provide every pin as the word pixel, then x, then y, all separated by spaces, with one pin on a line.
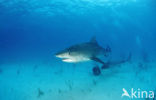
pixel 33 30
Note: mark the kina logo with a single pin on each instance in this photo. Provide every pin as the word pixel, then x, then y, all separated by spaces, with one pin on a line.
pixel 138 94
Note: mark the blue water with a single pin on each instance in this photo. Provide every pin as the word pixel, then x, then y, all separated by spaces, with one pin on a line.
pixel 32 31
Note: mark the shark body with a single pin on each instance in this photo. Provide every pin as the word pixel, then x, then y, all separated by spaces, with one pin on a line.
pixel 84 52
pixel 89 51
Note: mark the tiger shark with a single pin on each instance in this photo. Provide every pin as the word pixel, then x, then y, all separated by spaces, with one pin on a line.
pixel 84 52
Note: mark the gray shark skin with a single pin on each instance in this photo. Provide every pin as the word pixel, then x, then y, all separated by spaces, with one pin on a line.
pixel 89 51
pixel 84 52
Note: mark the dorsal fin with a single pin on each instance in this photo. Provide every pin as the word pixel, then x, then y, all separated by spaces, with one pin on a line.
pixel 93 40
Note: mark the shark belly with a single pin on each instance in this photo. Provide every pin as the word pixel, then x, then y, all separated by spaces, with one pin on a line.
pixel 76 59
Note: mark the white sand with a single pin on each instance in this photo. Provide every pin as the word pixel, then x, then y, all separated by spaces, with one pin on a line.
pixel 63 81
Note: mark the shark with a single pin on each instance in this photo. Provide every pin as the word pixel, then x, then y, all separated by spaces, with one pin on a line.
pixel 88 51
pixel 84 52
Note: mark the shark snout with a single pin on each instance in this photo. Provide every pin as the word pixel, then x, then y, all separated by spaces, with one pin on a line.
pixel 57 55
pixel 62 55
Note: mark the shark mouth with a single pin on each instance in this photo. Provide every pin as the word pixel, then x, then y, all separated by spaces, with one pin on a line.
pixel 64 59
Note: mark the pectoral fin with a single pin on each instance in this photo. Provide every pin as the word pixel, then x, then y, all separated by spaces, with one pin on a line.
pixel 104 65
pixel 97 60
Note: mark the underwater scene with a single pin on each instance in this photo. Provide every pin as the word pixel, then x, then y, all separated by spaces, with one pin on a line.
pixel 77 49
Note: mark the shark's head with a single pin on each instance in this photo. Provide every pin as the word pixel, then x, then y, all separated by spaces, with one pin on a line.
pixel 71 55
pixel 64 54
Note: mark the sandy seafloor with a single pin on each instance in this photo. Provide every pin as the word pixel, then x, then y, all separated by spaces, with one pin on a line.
pixel 28 27
pixel 63 81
